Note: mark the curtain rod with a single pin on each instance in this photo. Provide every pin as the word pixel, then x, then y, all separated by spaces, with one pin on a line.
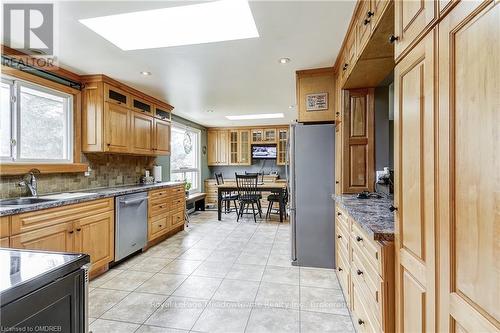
pixel 19 65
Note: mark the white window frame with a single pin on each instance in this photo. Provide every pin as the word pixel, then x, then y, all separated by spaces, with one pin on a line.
pixel 198 156
pixel 15 114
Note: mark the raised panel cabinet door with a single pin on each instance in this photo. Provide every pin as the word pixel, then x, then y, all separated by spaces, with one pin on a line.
pixel 411 17
pixel 414 129
pixel 358 140
pixel 377 9
pixel 212 148
pixel 92 117
pixel 162 135
pixel 59 237
pixel 223 147
pixel 468 166
pixel 363 26
pixel 95 236
pixel 245 147
pixel 142 133
pixel 117 136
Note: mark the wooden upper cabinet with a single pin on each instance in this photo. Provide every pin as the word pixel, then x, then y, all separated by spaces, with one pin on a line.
pixel 363 24
pixel 117 128
pixel 234 148
pixel 282 146
pixel 143 134
pixel 377 9
pixel 414 137
pixel 161 138
pixel 212 147
pixel 469 164
pixel 269 135
pixel 218 147
pixel 358 140
pixel 312 82
pixel 245 154
pixel 140 105
pixel 257 135
pixel 411 18
pixel 116 96
pixel 120 119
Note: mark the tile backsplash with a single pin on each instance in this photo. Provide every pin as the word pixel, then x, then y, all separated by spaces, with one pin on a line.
pixel 107 170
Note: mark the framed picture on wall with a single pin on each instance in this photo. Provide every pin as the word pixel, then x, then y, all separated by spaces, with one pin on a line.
pixel 317 102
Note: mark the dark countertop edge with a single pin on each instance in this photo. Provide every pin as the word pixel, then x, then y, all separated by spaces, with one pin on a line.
pixel 376 234
pixel 100 193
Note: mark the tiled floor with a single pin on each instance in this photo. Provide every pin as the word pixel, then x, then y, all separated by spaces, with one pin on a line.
pixel 218 277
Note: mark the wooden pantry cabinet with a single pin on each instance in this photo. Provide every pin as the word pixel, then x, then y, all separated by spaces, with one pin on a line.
pixel 86 227
pixel 218 147
pixel 365 269
pixel 166 209
pixel 119 119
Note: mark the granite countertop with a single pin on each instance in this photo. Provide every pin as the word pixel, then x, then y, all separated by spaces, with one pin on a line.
pixel 98 193
pixel 373 215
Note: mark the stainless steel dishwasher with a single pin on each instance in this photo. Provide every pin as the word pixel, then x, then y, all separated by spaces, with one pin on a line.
pixel 131 224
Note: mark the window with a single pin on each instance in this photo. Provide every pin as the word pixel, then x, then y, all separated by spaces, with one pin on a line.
pixel 36 124
pixel 185 156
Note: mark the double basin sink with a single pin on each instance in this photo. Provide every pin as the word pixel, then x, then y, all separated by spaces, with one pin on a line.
pixel 37 200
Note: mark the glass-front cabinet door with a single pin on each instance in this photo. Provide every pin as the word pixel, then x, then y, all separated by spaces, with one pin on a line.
pixel 244 147
pixel 257 135
pixel 282 146
pixel 270 135
pixel 233 147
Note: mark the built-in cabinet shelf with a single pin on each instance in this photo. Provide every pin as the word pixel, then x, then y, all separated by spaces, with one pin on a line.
pixel 232 146
pixel 119 119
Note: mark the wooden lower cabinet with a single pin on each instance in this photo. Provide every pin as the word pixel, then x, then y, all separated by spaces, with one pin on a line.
pixel 86 227
pixel 166 211
pixel 365 269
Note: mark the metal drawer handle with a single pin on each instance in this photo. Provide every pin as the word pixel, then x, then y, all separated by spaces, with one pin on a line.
pixel 128 202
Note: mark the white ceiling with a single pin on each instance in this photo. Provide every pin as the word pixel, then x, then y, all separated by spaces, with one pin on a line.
pixel 233 77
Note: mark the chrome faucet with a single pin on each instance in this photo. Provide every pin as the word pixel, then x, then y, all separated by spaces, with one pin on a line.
pixel 29 180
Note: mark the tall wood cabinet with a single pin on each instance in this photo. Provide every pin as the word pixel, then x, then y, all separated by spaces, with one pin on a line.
pixel 239 147
pixel 282 146
pixel 218 147
pixel 358 141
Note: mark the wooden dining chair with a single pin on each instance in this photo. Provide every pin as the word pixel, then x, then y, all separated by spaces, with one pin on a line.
pixel 227 198
pixel 275 198
pixel 248 194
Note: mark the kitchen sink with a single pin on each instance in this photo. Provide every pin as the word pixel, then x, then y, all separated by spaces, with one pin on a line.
pixel 23 201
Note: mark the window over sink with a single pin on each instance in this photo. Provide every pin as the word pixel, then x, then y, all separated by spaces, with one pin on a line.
pixel 36 123
pixel 185 162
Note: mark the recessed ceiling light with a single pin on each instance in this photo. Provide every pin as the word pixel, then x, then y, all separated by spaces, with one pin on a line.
pixel 210 111
pixel 183 25
pixel 256 116
pixel 146 73
pixel 284 60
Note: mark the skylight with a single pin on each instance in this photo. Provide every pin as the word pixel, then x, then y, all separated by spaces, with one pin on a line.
pixel 256 116
pixel 185 25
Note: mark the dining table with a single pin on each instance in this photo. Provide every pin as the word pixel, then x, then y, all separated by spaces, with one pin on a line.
pixel 278 188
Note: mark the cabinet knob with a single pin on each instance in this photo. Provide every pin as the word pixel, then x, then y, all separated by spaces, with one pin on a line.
pixel 366 21
pixel 393 38
pixel 359 272
pixel 79 229
pixel 339 236
pixel 109 144
pixel 340 269
pixel 392 208
pixel 70 232
pixel 360 322
pixel 359 239
pixel 339 213
pixel 345 67
pixel 370 13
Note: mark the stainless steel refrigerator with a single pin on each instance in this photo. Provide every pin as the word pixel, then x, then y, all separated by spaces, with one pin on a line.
pixel 311 158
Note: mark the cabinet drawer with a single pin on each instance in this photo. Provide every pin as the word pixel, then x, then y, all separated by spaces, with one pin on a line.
pixel 342 241
pixel 158 226
pixel 177 219
pixel 343 273
pixel 363 322
pixel 159 208
pixel 372 250
pixel 52 216
pixel 4 242
pixel 177 190
pixel 157 194
pixel 372 285
pixel 342 217
pixel 4 226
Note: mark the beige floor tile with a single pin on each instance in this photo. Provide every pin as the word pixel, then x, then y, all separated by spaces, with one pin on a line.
pixel 213 269
pixel 285 275
pixel 177 312
pixel 195 254
pixel 101 279
pixel 157 329
pixel 128 280
pixel 101 300
pixel 223 256
pixel 198 287
pixel 323 300
pixel 110 326
pixel 236 291
pixel 321 278
pixel 135 308
pixel 223 317
pixel 315 322
pixel 163 284
pixel 246 272
pixel 278 295
pixel 151 264
pixel 181 266
pixel 273 320
pixel 248 258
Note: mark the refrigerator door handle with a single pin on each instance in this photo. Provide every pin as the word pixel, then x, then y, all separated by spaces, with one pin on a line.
pixel 293 235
